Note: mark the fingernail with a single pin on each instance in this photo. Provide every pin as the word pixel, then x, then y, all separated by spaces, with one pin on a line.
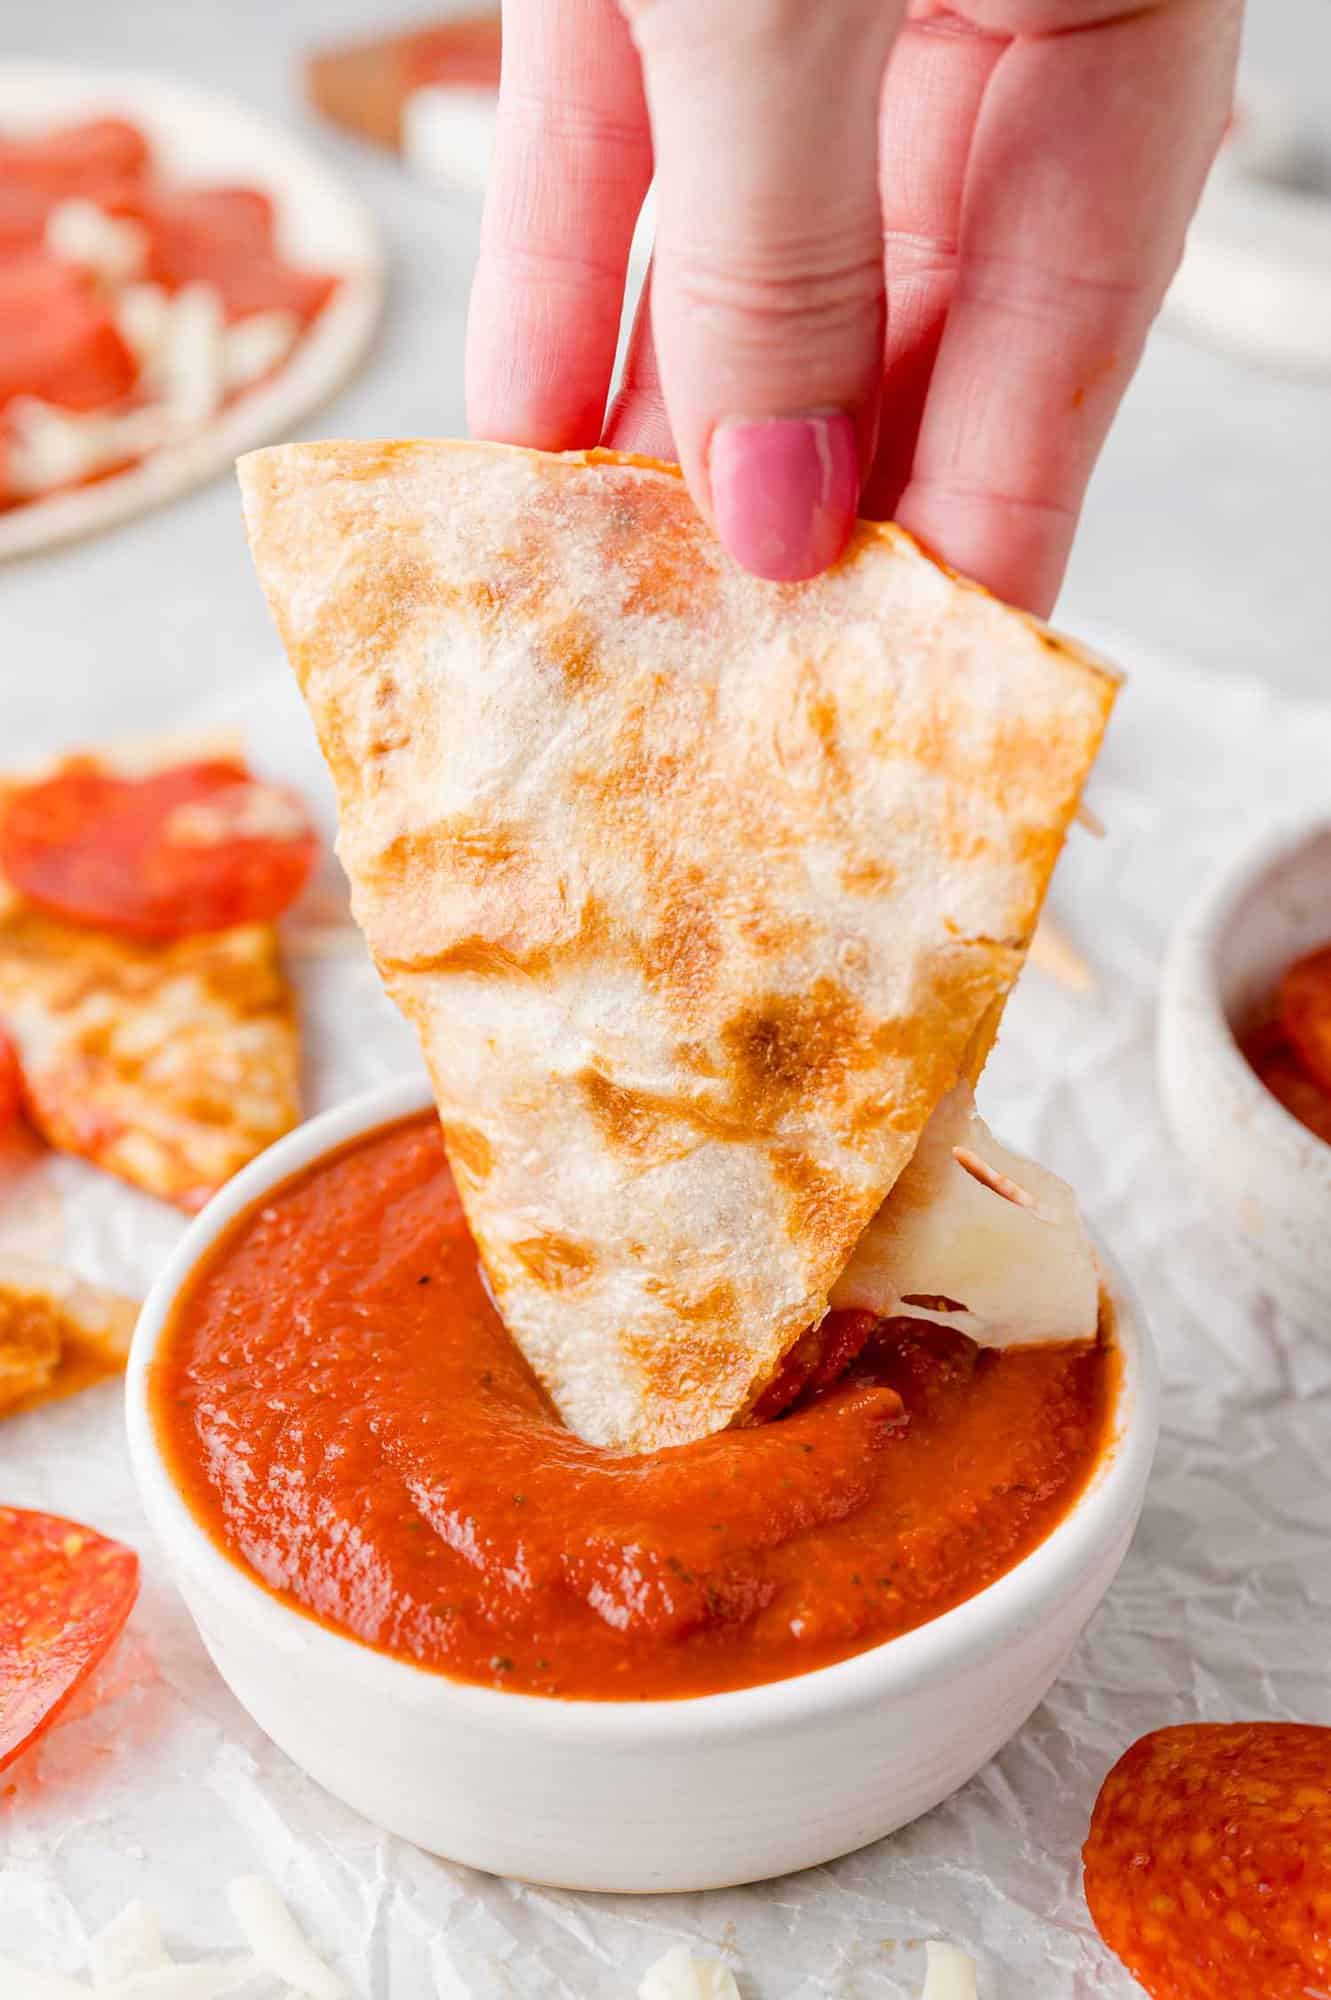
pixel 784 492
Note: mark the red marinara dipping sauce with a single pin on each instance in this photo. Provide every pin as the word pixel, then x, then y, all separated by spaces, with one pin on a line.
pixel 344 1411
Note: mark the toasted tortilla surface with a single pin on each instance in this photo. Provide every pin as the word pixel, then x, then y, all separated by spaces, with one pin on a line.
pixel 700 891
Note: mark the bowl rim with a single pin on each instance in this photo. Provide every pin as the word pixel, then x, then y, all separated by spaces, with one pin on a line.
pixel 1016 1603
pixel 1191 979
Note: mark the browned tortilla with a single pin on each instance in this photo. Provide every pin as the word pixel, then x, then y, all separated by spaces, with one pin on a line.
pixel 700 891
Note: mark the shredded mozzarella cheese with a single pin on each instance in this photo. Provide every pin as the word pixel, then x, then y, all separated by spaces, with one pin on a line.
pixel 255 345
pixel 52 447
pixel 681 1976
pixel 143 316
pixel 277 1941
pixel 191 356
pixel 129 1962
pixel 131 1942
pixel 78 232
pixel 949 1973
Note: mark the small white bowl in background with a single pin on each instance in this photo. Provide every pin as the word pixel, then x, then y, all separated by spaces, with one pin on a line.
pixel 637 1796
pixel 1265 1172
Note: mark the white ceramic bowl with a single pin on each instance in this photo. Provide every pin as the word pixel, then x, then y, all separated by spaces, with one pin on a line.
pixel 638 1796
pixel 1265 1172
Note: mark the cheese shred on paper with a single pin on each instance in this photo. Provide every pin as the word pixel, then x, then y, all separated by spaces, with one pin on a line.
pixel 702 892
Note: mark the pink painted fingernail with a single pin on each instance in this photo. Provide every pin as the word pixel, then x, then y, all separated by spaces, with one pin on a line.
pixel 784 492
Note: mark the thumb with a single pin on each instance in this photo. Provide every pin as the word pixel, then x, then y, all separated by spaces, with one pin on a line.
pixel 767 288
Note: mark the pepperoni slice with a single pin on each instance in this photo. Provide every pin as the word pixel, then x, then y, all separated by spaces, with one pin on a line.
pixel 1303 1002
pixel 57 338
pixel 65 1592
pixel 75 159
pixel 200 847
pixel 1208 1864
pixel 11 1084
pixel 224 237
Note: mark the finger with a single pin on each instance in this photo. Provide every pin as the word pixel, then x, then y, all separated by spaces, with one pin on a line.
pixel 936 79
pixel 571 166
pixel 1090 152
pixel 637 419
pixel 767 298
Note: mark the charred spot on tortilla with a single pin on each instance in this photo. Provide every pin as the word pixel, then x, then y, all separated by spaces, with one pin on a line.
pixel 572 650
pixel 555 1261
pixel 824 1206
pixel 469 1149
pixel 789 1043
pixel 626 1120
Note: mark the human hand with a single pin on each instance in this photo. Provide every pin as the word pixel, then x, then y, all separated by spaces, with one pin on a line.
pixel 906 259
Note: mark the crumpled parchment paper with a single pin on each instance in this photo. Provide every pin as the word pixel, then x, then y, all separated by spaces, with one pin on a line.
pixel 163 1789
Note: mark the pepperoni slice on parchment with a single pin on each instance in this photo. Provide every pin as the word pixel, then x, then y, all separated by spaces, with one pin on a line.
pixel 65 1592
pixel 199 847
pixel 1304 1006
pixel 1208 1863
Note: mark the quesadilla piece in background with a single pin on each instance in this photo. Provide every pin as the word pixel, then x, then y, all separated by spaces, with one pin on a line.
pixel 170 1061
pixel 57 1334
pixel 702 892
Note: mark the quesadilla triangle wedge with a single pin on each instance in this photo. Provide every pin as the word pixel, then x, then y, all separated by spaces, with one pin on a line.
pixel 701 891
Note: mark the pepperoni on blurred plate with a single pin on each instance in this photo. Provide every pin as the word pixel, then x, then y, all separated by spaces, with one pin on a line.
pixel 1208 1863
pixel 224 238
pixel 199 847
pixel 58 340
pixel 65 1592
pixel 75 159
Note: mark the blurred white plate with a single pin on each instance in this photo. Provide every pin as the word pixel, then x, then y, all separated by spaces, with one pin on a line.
pixel 198 137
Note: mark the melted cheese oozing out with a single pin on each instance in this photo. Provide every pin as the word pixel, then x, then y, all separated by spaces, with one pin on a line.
pixel 947 1245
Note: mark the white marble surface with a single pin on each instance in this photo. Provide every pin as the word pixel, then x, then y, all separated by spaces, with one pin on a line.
pixel 1208 532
